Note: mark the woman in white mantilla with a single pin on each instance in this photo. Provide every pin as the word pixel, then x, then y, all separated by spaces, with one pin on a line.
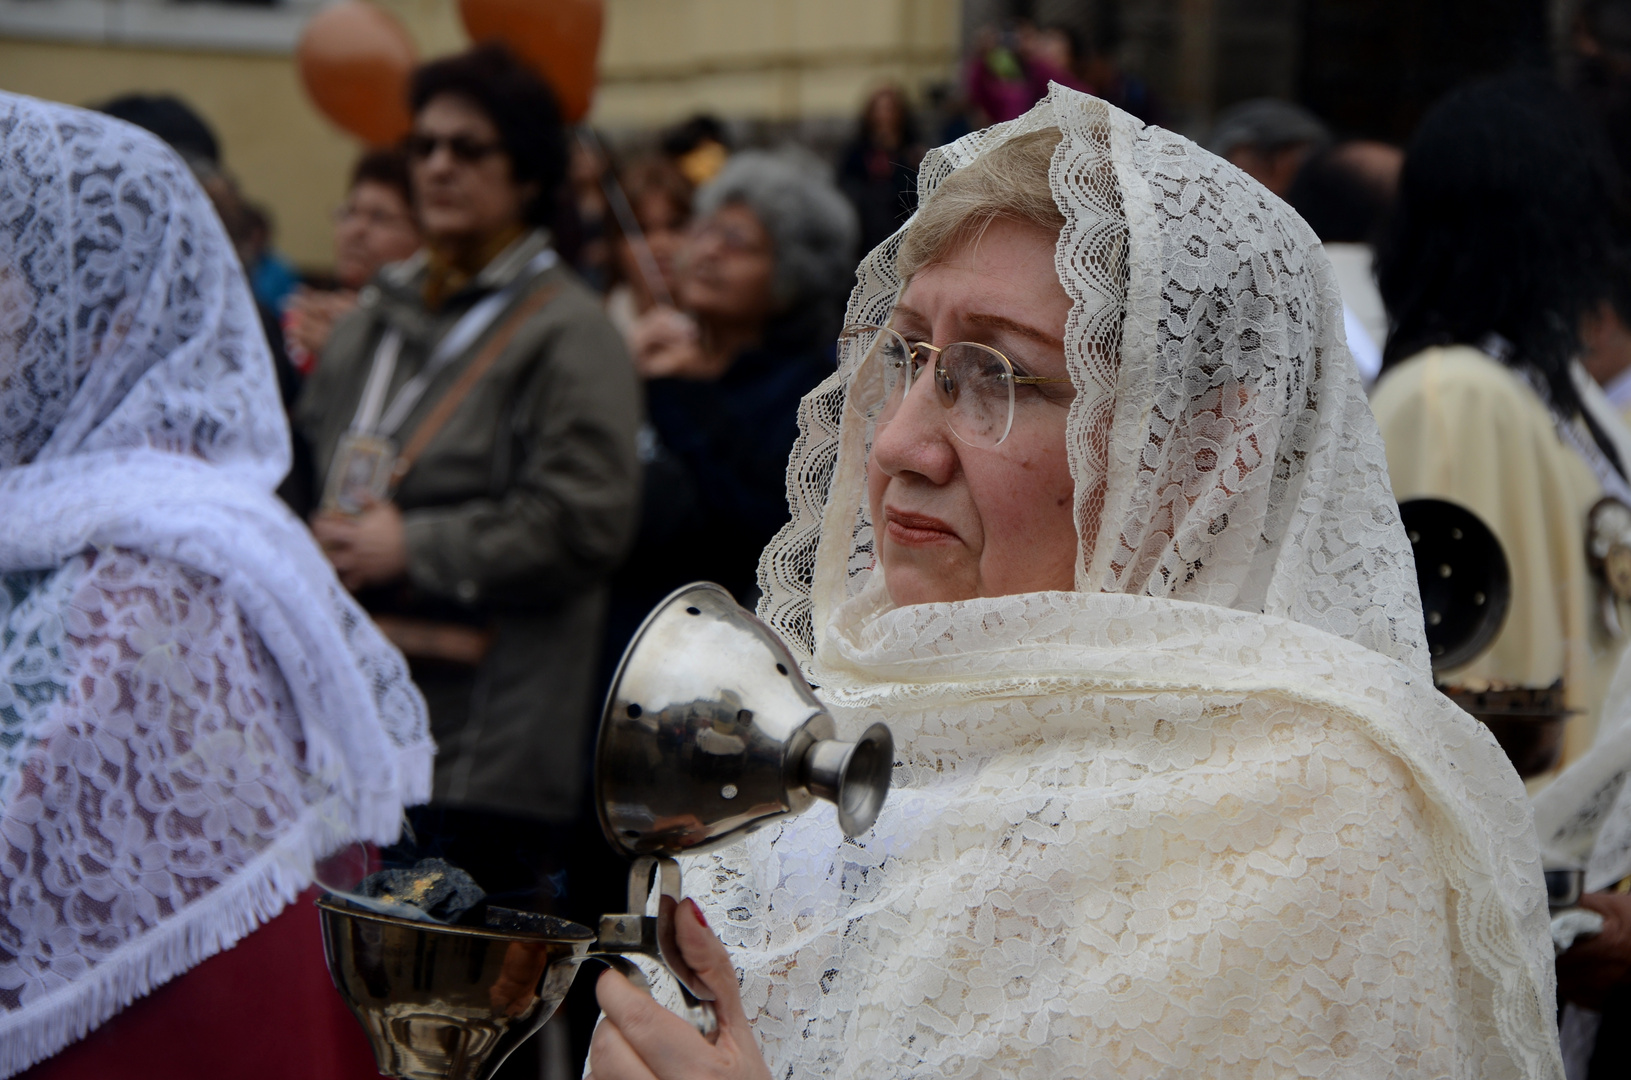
pixel 192 710
pixel 1174 793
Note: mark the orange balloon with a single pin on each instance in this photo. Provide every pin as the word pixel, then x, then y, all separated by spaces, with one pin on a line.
pixel 558 38
pixel 355 60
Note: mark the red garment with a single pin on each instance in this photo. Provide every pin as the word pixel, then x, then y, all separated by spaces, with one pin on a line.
pixel 263 1010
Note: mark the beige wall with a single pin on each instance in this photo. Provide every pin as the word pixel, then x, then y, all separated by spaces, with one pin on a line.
pixel 285 155
pixel 660 61
pixel 771 59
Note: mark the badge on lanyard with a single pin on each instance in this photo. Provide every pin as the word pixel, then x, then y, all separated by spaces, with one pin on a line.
pixel 1608 552
pixel 361 473
pixel 366 462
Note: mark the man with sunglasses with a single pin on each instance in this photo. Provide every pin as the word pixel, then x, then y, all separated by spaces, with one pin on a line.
pixel 475 420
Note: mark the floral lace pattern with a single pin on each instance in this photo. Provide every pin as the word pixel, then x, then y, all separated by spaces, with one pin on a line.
pixel 191 707
pixel 124 319
pixel 1227 441
pixel 141 768
pixel 1583 817
pixel 1089 868
pixel 1205 816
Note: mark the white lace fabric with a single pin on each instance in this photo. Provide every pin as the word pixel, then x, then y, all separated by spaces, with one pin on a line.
pixel 192 710
pixel 1204 816
pixel 1583 817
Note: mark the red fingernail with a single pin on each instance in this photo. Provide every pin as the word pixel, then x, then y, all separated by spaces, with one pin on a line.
pixel 697 911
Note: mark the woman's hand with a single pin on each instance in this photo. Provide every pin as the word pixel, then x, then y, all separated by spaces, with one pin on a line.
pixel 638 1039
pixel 313 315
pixel 1596 966
pixel 368 549
pixel 667 345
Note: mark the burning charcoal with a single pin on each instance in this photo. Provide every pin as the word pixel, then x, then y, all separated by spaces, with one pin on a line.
pixel 514 921
pixel 439 889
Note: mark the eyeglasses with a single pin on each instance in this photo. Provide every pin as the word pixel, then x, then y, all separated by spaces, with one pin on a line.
pixel 465 149
pixel 736 241
pixel 975 384
pixel 378 219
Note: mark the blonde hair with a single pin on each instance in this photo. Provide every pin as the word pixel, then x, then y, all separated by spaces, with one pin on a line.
pixel 1009 181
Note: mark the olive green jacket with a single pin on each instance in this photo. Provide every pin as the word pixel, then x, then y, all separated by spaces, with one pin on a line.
pixel 515 514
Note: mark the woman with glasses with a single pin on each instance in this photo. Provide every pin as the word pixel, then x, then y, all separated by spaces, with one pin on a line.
pixel 1093 514
pixel 375 226
pixel 474 421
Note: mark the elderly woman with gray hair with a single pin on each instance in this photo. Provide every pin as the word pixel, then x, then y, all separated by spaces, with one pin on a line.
pixel 761 284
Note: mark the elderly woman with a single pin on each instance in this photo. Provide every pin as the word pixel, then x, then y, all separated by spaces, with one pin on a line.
pixel 191 708
pixel 1093 514
pixel 761 278
pixel 475 420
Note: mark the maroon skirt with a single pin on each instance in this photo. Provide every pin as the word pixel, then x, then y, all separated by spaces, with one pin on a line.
pixel 262 1010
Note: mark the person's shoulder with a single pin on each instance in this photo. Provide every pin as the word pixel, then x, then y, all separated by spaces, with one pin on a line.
pixel 566 294
pixel 1458 363
pixel 1457 381
pixel 349 338
pixel 562 305
pixel 565 328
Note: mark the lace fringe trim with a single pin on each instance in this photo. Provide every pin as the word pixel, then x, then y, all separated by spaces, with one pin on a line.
pixel 251 898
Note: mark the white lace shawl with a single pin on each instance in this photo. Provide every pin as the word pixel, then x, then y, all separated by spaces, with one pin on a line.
pixel 1583 817
pixel 191 707
pixel 1205 815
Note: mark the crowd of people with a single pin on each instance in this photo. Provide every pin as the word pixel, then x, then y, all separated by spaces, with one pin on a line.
pixel 292 563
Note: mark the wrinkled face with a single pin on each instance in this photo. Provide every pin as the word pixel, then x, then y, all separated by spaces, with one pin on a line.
pixel 728 266
pixel 954 521
pixel 373 228
pixel 462 178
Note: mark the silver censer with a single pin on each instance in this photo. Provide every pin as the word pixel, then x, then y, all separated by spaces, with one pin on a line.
pixel 709 732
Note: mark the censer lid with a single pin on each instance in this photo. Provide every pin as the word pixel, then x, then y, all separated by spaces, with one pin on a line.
pixel 1462 573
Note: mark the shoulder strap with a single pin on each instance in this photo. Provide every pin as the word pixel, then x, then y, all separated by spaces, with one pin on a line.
pixel 450 401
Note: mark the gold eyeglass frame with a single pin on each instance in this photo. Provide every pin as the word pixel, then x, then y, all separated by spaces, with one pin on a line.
pixel 947 397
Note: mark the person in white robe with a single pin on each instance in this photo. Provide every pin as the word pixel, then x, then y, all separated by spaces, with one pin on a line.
pixel 1501 242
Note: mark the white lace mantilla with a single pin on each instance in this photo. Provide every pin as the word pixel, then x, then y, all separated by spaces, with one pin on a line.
pixel 1222 445
pixel 191 707
pixel 1138 838
pixel 1583 817
pixel 1205 816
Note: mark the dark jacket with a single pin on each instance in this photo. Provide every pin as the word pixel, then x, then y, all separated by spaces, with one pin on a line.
pixel 516 514
pixel 882 186
pixel 716 470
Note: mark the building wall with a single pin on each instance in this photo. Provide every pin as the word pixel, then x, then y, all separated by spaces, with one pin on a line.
pixel 766 59
pixel 661 60
pixel 285 155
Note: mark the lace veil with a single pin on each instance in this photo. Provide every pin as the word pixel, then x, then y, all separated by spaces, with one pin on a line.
pixel 1583 817
pixel 191 707
pixel 1237 364
pixel 1204 815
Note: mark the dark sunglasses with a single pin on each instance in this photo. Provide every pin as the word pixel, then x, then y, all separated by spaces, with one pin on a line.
pixel 462 147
